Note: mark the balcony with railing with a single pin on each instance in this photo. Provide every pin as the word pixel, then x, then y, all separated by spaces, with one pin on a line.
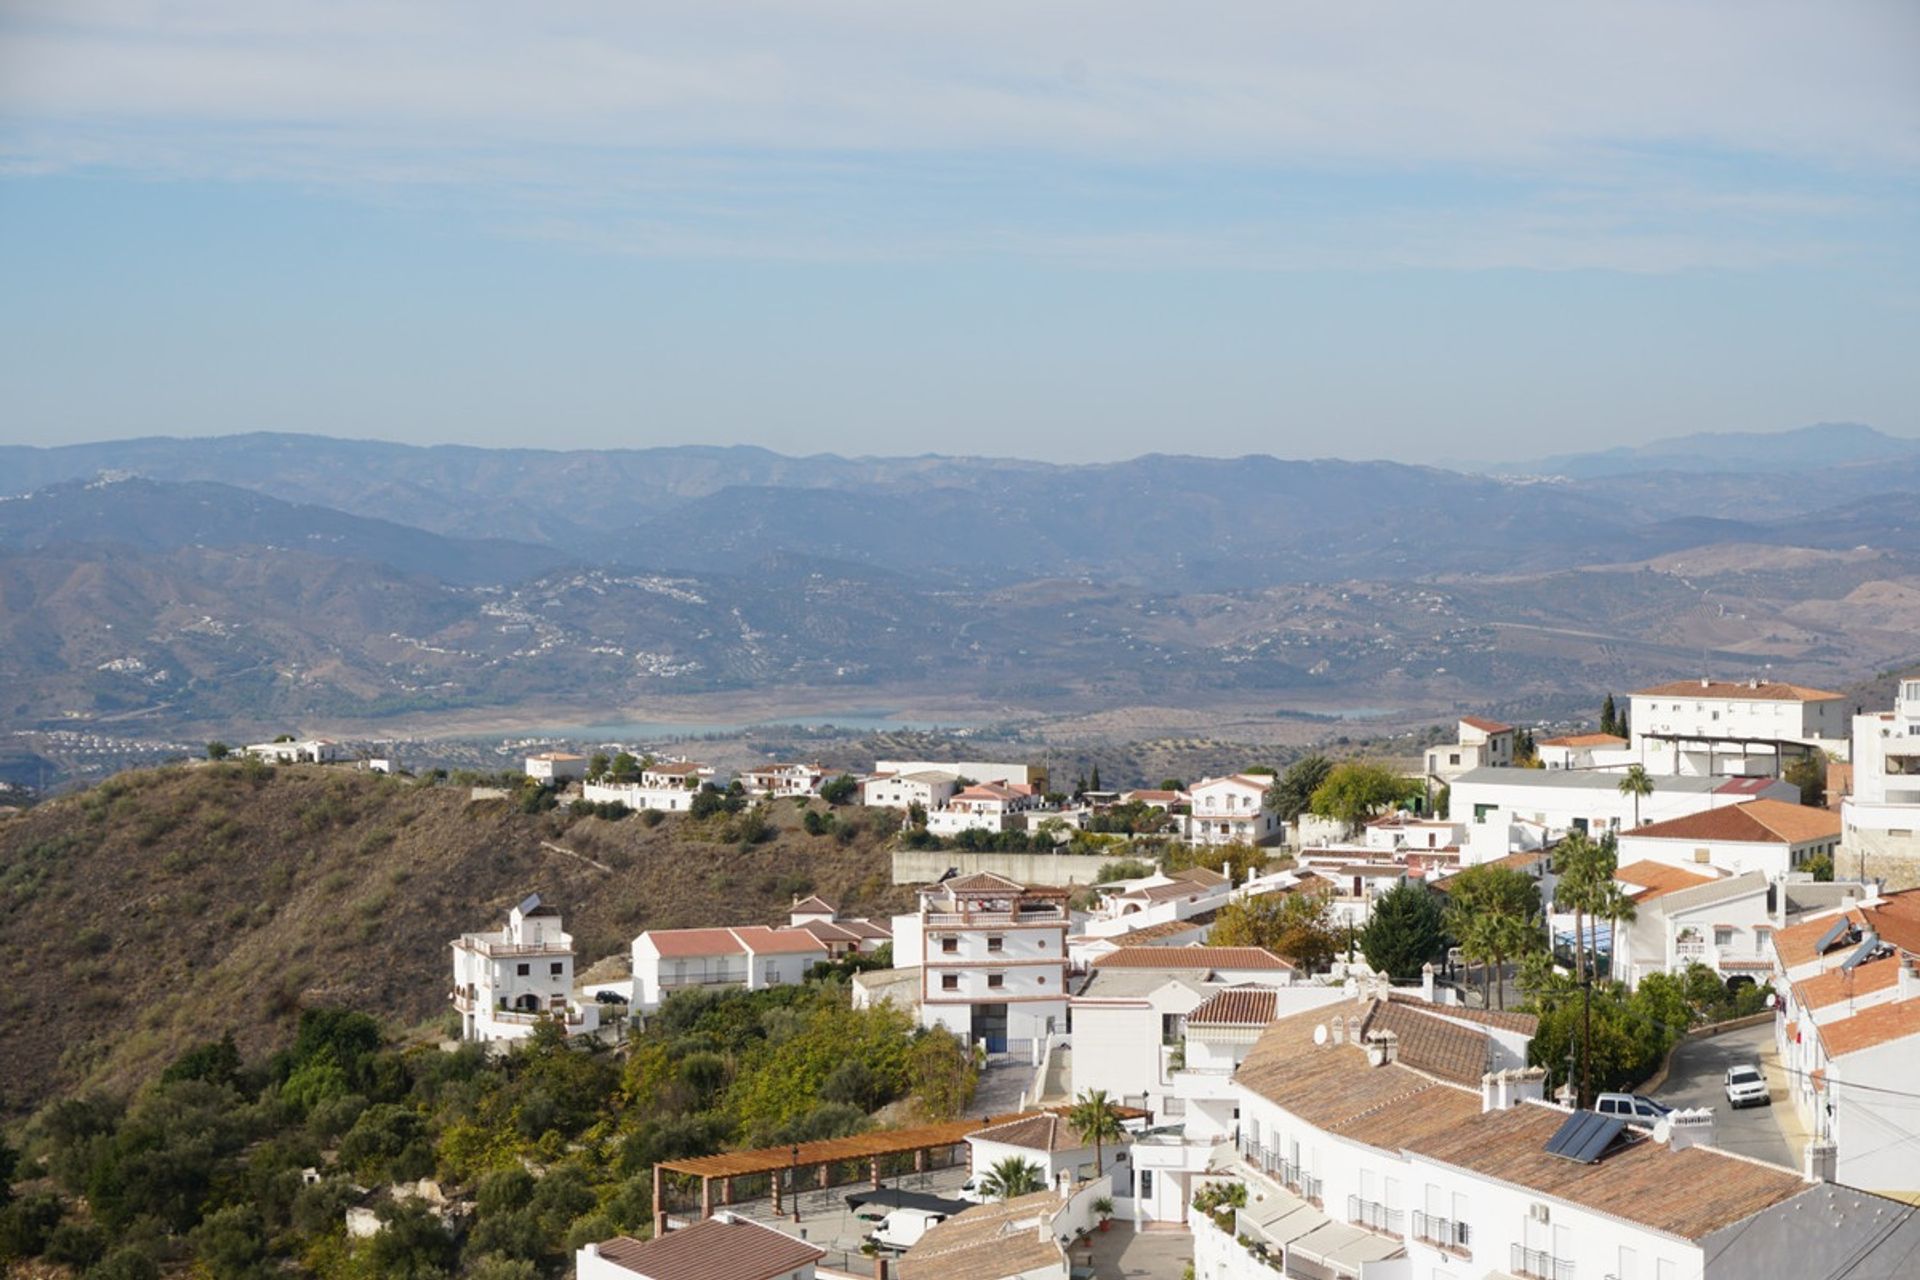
pixel 1375 1216
pixel 972 919
pixel 1442 1233
pixel 1204 1084
pixel 1538 1264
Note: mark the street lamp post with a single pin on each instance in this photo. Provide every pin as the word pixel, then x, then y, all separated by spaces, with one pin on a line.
pixel 793 1180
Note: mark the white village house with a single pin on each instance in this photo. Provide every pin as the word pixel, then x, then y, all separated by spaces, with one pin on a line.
pixel 506 980
pixel 1479 743
pixel 1772 837
pixel 991 955
pixel 1510 809
pixel 1231 810
pixel 556 767
pixel 750 956
pixel 1703 728
pixel 1882 816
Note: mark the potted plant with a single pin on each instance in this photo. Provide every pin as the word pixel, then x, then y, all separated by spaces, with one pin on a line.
pixel 1104 1208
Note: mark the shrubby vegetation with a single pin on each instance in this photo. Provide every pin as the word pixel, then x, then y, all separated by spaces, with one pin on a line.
pixel 246 1169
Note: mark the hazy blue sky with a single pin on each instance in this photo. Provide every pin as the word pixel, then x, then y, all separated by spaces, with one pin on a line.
pixel 1418 230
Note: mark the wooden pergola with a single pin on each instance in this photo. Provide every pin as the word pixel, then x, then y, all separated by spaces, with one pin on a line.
pixel 820 1158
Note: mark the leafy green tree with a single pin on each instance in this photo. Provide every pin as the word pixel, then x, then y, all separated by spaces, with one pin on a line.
pixel 411 1244
pixel 940 1075
pixel 217 750
pixel 1093 781
pixel 1636 783
pixel 840 790
pixel 75 1244
pixel 9 1161
pixel 1012 1177
pixel 597 765
pixel 27 1224
pixel 1493 914
pixel 1176 784
pixel 625 767
pixel 1291 795
pixel 387 1142
pixel 1820 866
pixel 217 1062
pixel 1124 869
pixel 1809 773
pixel 129 1262
pixel 1297 925
pixel 1406 930
pixel 231 1244
pixel 1356 790
pixel 1095 1120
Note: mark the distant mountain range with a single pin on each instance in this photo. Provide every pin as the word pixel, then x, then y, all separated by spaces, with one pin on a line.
pixel 267 579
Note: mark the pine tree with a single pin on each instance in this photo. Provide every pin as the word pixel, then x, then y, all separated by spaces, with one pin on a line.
pixel 1609 716
pixel 1093 783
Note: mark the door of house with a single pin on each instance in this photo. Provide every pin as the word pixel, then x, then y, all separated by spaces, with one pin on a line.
pixel 990 1025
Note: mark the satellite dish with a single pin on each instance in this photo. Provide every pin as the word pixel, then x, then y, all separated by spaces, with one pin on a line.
pixel 1773 1000
pixel 1663 1131
pixel 1320 1034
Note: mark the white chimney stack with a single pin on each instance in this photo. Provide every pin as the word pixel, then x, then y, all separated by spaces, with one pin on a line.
pixel 1692 1128
pixel 1823 1159
pixel 1426 982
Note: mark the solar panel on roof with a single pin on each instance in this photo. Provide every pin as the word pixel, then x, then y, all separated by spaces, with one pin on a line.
pixel 1828 938
pixel 1862 953
pixel 1584 1135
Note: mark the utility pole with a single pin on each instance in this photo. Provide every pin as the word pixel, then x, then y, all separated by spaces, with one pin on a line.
pixel 1586 1041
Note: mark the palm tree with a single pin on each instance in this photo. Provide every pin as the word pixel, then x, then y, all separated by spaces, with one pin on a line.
pixel 1612 903
pixel 1636 783
pixel 1094 1119
pixel 1577 861
pixel 1012 1177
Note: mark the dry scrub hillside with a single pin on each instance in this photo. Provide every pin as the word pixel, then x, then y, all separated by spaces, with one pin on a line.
pixel 167 906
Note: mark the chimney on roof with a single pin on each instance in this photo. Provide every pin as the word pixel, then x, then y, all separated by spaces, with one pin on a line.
pixel 1823 1160
pixel 1690 1128
pixel 1383 1047
pixel 1426 982
pixel 1909 976
pixel 1504 1090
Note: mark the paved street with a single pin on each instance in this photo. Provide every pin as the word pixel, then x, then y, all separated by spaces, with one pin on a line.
pixel 1696 1079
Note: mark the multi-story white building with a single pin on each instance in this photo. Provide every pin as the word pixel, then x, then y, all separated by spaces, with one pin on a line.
pixel 506 980
pixel 638 796
pixel 1882 816
pixel 778 781
pixel 751 956
pixel 1231 810
pixel 1026 775
pixel 928 788
pixel 556 766
pixel 1391 1153
pixel 1479 743
pixel 992 958
pixel 983 806
pixel 1768 836
pixel 1707 727
pixel 1848 1034
pixel 1681 918
pixel 1494 802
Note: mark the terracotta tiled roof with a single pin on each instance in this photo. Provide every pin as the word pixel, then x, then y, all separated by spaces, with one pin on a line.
pixel 694 942
pixel 982 881
pixel 1755 821
pixel 1235 1007
pixel 1036 1133
pixel 716 1249
pixel 1795 944
pixel 813 905
pixel 777 942
pixel 1154 797
pixel 1431 1044
pixel 1505 1019
pixel 1198 875
pixel 1485 726
pixel 1192 958
pixel 1165 929
pixel 1871 1027
pixel 1737 691
pixel 1584 740
pixel 1690 1193
pixel 675 767
pixel 1656 878
pixel 989 1242
pixel 1835 988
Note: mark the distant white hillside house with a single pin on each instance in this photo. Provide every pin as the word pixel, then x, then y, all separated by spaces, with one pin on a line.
pixel 1231 810
pixel 506 980
pixel 553 767
pixel 305 751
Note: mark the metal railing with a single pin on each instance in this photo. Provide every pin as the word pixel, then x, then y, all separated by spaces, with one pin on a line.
pixel 1539 1264
pixel 1444 1232
pixel 1375 1216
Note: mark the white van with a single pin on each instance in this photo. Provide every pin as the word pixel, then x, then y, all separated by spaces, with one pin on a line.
pixel 901 1229
pixel 1635 1107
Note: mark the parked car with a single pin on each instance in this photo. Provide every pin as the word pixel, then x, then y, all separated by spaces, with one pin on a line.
pixel 1636 1107
pixel 1746 1087
pixel 970 1190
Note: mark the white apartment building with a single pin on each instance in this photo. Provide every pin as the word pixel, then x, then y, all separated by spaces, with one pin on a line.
pixel 506 980
pixel 927 788
pixel 983 806
pixel 1768 836
pixel 1371 1156
pixel 1681 919
pixel 779 781
pixel 638 796
pixel 553 767
pixel 1494 802
pixel 1882 816
pixel 1231 810
pixel 1848 1034
pixel 751 956
pixel 1707 727
pixel 1025 775
pixel 1585 751
pixel 992 958
pixel 1479 743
